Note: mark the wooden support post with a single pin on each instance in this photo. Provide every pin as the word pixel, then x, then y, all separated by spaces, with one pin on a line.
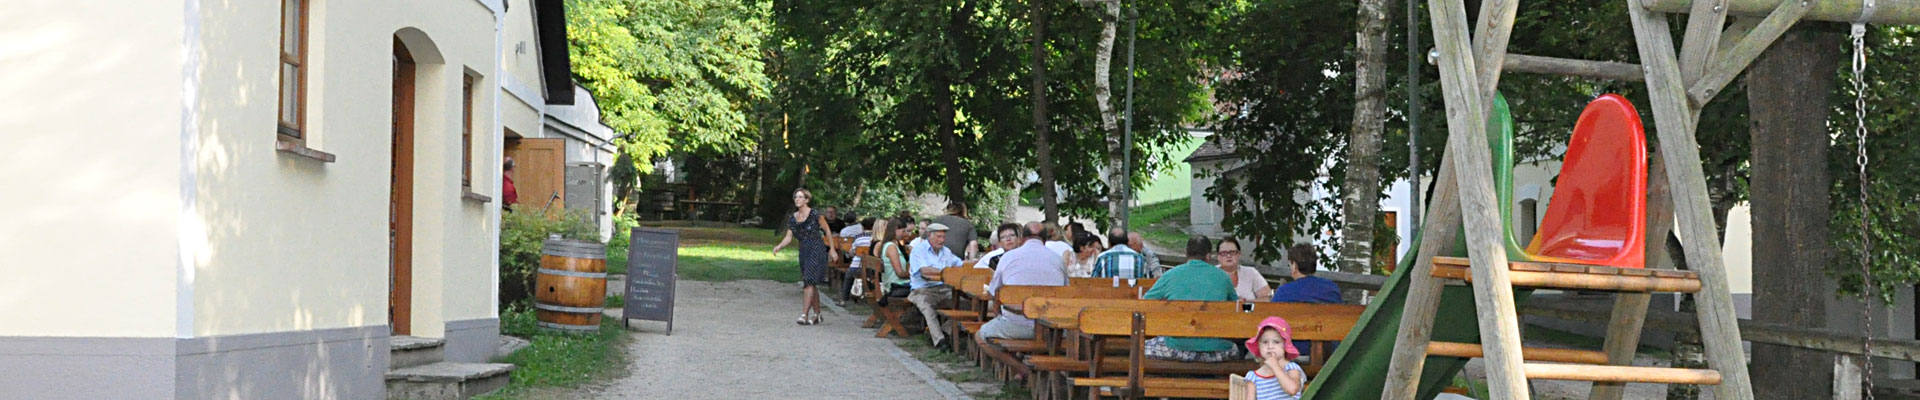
pixel 1466 118
pixel 1630 309
pixel 1720 332
pixel 1736 31
pixel 1726 66
pixel 1618 71
pixel 1847 377
pixel 1702 37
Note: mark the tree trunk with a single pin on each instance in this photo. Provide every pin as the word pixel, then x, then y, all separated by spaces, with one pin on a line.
pixel 1103 96
pixel 1362 197
pixel 1037 11
pixel 943 109
pixel 1787 92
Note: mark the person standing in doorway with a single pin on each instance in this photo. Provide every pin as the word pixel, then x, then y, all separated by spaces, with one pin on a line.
pixel 508 196
pixel 811 230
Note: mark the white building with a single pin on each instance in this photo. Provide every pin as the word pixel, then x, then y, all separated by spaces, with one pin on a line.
pixel 248 199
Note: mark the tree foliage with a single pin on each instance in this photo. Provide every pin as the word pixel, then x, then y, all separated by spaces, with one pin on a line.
pixel 672 75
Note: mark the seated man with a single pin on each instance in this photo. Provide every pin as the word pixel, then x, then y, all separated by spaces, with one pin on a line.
pixel 1120 260
pixel 1031 264
pixel 929 295
pixel 1199 281
pixel 1139 243
pixel 1306 288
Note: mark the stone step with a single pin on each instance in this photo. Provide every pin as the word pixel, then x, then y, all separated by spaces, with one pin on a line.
pixel 447 380
pixel 410 351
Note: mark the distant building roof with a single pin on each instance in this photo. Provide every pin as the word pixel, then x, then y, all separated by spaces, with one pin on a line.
pixel 1217 147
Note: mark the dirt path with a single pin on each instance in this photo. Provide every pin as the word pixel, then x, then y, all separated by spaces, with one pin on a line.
pixel 737 339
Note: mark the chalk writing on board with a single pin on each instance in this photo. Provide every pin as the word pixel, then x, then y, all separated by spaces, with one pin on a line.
pixel 652 264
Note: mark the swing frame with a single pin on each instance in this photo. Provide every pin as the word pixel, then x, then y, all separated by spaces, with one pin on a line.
pixel 1680 82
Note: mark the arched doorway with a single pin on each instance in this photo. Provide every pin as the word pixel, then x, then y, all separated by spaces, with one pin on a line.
pixel 400 200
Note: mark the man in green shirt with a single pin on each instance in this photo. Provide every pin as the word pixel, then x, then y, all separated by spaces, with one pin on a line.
pixel 1199 281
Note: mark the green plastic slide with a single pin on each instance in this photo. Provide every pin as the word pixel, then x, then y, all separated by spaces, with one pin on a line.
pixel 1358 368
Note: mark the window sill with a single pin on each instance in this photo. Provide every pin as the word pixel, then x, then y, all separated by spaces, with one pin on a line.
pixel 475 197
pixel 301 150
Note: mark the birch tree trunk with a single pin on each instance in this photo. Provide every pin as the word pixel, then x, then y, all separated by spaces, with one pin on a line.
pixel 1362 194
pixel 1103 96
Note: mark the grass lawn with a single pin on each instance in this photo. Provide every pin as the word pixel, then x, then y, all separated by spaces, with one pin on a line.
pixel 557 359
pixel 1162 223
pixel 728 254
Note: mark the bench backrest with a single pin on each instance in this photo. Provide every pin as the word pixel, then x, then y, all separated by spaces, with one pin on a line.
pixel 1316 322
pixel 1018 294
pixel 955 275
pixel 1145 283
pixel 1063 308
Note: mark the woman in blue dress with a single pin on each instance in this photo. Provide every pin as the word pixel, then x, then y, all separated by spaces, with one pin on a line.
pixel 811 230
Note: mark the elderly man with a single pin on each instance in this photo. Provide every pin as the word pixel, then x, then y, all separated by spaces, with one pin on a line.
pixel 1031 264
pixel 1120 261
pixel 929 295
pixel 1139 244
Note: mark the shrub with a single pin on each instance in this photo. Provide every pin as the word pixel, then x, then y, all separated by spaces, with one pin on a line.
pixel 522 234
pixel 617 247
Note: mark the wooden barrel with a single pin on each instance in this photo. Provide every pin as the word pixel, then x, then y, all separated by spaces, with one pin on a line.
pixel 570 288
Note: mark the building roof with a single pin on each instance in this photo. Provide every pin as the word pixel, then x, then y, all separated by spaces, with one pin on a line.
pixel 1217 147
pixel 550 17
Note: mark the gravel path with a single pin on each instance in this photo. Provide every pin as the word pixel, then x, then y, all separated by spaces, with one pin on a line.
pixel 737 339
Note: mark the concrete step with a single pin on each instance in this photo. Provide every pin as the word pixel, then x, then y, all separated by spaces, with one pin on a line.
pixel 446 380
pixel 410 351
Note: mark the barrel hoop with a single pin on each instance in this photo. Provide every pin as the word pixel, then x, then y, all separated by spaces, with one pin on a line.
pixel 601 275
pixel 576 328
pixel 574 248
pixel 565 309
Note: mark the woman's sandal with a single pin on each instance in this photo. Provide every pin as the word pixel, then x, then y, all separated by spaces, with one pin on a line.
pixel 815 321
pixel 804 320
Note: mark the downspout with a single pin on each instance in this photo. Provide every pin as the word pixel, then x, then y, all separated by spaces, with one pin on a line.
pixel 498 151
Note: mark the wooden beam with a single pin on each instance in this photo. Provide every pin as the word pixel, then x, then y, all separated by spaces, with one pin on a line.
pixel 1673 117
pixel 1728 65
pixel 1494 28
pixel 1737 30
pixel 1470 350
pixel 1466 104
pixel 1887 12
pixel 1702 37
pixel 1618 71
pixel 1630 309
pixel 1757 332
pixel 1442 224
pixel 1608 373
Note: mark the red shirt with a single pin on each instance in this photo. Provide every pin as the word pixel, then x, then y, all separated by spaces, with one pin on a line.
pixel 510 195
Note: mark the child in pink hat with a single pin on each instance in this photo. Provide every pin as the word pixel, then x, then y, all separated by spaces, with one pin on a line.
pixel 1278 378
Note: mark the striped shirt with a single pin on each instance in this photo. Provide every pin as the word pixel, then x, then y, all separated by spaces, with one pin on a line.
pixel 863 239
pixel 1268 387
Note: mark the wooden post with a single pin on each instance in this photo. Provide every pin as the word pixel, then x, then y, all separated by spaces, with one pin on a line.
pixel 1479 208
pixel 1726 66
pixel 1848 378
pixel 1673 119
pixel 1703 37
pixel 1630 309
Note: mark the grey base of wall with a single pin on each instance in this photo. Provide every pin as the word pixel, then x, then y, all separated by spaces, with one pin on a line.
pixel 343 363
pixel 473 340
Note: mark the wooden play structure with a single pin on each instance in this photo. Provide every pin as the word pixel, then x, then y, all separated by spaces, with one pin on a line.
pixel 1594 238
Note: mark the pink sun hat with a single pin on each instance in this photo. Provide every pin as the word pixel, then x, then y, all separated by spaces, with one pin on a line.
pixel 1286 336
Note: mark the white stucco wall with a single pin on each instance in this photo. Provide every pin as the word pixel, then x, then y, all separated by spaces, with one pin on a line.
pixel 295 244
pixel 94 193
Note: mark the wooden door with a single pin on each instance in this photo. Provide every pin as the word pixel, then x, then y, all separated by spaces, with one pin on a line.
pixel 539 173
pixel 400 198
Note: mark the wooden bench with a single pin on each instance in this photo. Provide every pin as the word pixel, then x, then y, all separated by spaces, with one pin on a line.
pixel 1057 323
pixel 1005 353
pixel 1311 322
pixel 890 318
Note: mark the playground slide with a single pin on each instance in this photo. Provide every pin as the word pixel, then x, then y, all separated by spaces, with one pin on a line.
pixel 1358 367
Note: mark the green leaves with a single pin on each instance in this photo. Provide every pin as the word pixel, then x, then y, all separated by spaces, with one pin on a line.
pixel 674 75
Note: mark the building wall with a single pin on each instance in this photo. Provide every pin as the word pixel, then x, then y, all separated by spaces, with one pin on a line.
pixel 94 190
pixel 290 243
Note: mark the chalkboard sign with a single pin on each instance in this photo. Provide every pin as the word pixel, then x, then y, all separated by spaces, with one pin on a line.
pixel 652 266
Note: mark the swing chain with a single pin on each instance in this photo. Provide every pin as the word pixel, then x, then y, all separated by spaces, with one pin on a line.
pixel 1859 35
